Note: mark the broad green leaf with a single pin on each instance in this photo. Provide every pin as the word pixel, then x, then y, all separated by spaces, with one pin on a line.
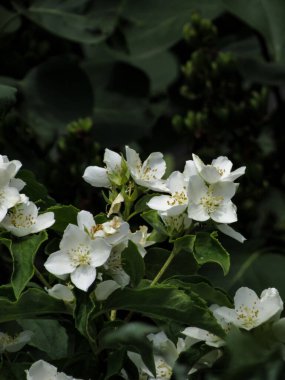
pixel 155 221
pixel 267 17
pixel 208 249
pixel 69 19
pixel 34 189
pixel 9 21
pixel 7 98
pixel 202 287
pixel 63 216
pixel 115 363
pixel 23 252
pixel 133 263
pixel 131 337
pixel 156 25
pixel 33 302
pixel 49 336
pixel 166 303
pixel 83 313
pixel 55 93
pixel 185 243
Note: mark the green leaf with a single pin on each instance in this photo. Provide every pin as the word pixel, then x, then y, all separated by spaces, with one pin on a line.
pixel 155 221
pixel 68 19
pixel 115 363
pixel 55 93
pixel 133 263
pixel 157 25
pixel 208 249
pixel 165 302
pixel 9 21
pixel 185 243
pixel 35 190
pixel 33 302
pixel 83 313
pixel 267 17
pixel 49 336
pixel 63 216
pixel 23 252
pixel 7 98
pixel 131 337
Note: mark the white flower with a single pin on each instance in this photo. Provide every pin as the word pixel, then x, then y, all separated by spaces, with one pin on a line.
pixel 149 173
pixel 251 311
pixel 61 292
pixel 165 356
pixel 177 202
pixel 8 169
pixel 219 170
pixel 113 231
pixel 79 255
pixel 14 343
pixel 114 268
pixel 23 220
pixel 211 202
pixel 42 370
pixel 140 237
pixel 99 177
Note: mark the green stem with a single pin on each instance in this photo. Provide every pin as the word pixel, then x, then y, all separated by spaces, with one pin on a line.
pixel 41 278
pixel 162 269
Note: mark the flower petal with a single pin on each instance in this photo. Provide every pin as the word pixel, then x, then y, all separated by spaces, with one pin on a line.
pixel 61 292
pixel 100 252
pixel 224 189
pixel 210 174
pixel 229 231
pixel 198 162
pixel 85 220
pixel 96 176
pixel 225 213
pixel 224 164
pixel 106 288
pixel 43 221
pixel 155 162
pixel 83 277
pixel 196 189
pixel 189 169
pixel 197 212
pixel 235 174
pixel 112 160
pixel 160 202
pixel 72 237
pixel 133 161
pixel 59 263
pixel 41 370
pixel 176 182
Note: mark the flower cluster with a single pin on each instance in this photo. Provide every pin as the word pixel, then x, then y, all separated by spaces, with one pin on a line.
pixel 201 193
pixel 18 214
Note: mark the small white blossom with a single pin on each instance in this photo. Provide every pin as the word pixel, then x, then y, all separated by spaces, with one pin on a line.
pixel 211 202
pixel 23 219
pixel 165 356
pixel 113 231
pixel 42 370
pixel 79 255
pixel 114 268
pixel 149 173
pixel 219 170
pixel 116 205
pixel 251 311
pixel 8 169
pixel 176 223
pixel 14 343
pixel 61 292
pixel 198 335
pixel 140 238
pixel 177 202
pixel 99 177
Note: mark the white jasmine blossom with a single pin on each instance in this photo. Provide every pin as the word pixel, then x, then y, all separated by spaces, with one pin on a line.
pixel 42 370
pixel 197 335
pixel 165 356
pixel 114 231
pixel 176 223
pixel 149 173
pixel 14 343
pixel 99 177
pixel 23 219
pixel 140 237
pixel 79 256
pixel 114 268
pixel 219 170
pixel 177 202
pixel 61 292
pixel 251 311
pixel 9 197
pixel 8 169
pixel 211 202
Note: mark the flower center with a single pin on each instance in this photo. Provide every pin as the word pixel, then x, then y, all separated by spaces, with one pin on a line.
pixel 6 339
pixel 163 370
pixel 80 255
pixel 114 262
pixel 178 198
pixel 210 202
pixel 18 219
pixel 247 315
pixel 147 173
